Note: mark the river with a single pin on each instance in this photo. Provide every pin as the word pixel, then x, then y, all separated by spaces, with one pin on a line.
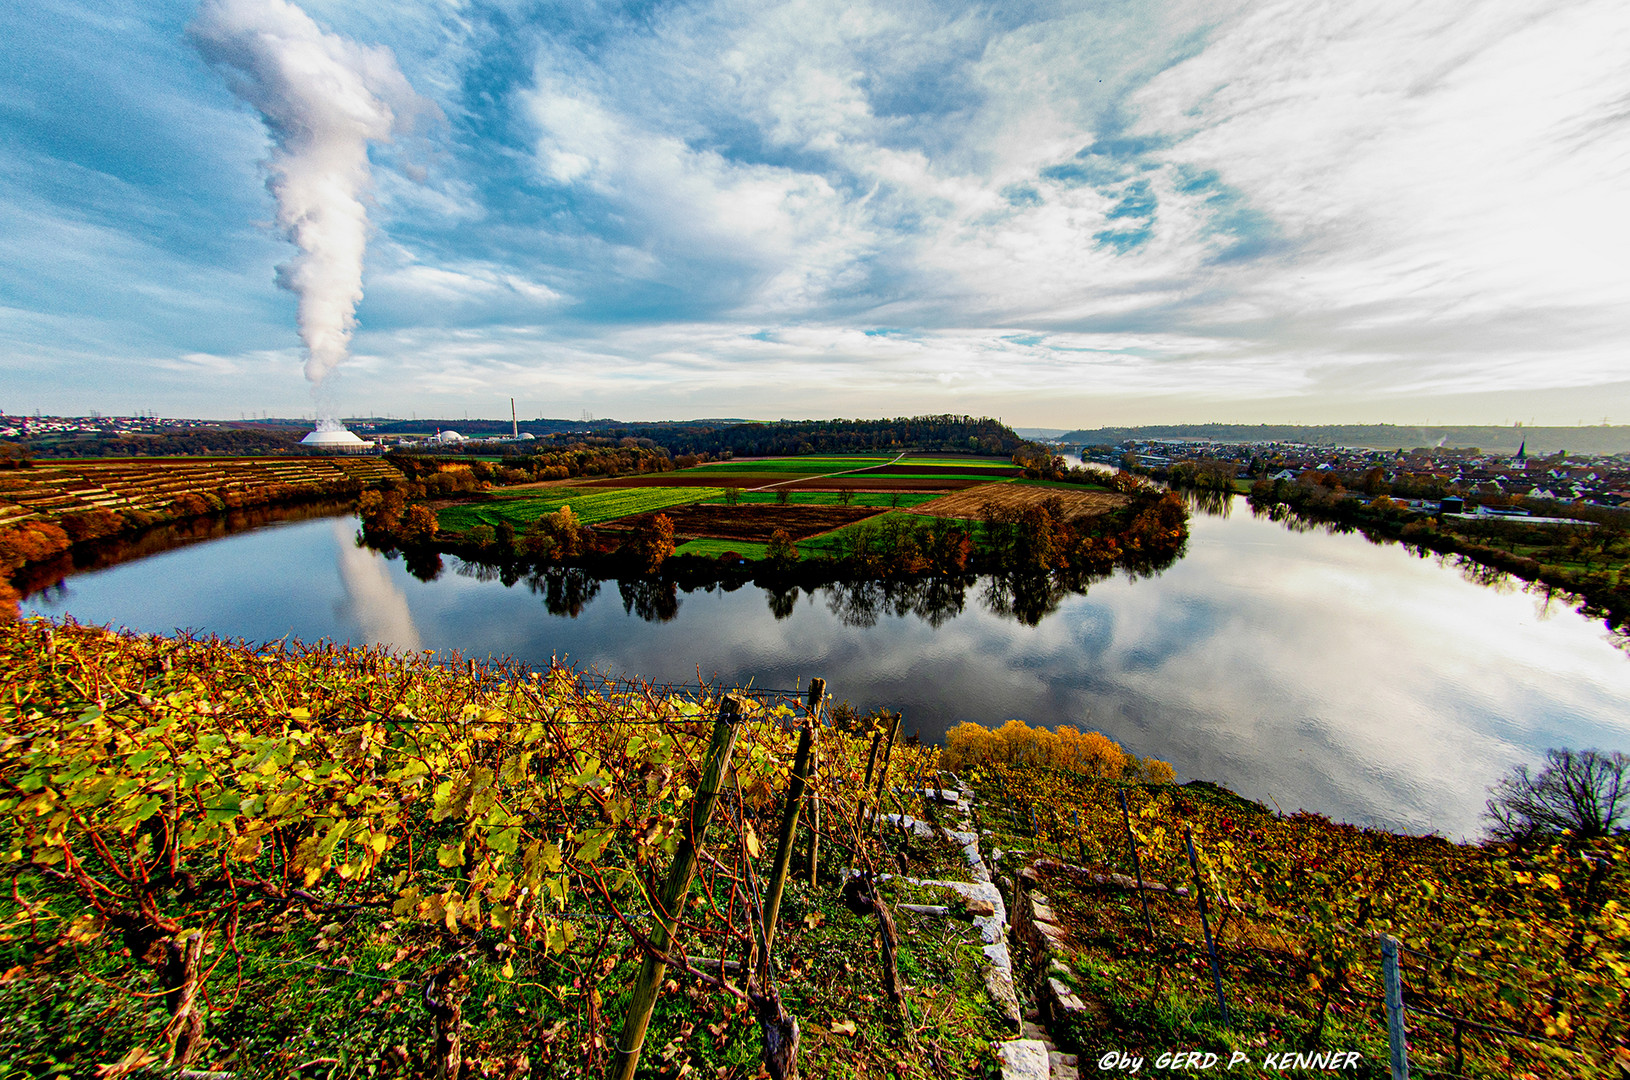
pixel 1300 668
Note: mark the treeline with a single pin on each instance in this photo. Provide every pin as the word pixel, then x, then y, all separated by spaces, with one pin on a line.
pixel 791 437
pixel 1087 753
pixel 578 458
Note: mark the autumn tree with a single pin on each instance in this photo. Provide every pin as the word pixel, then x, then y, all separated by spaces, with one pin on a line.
pixel 555 536
pixel 781 551
pixel 420 525
pixel 651 542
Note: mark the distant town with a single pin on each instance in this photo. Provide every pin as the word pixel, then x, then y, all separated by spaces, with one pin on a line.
pixel 1597 479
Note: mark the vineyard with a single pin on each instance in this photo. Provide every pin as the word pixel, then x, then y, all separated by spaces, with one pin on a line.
pixel 48 508
pixel 52 490
pixel 1514 962
pixel 336 862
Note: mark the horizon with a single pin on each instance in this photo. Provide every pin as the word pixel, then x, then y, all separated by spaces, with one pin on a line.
pixel 1064 218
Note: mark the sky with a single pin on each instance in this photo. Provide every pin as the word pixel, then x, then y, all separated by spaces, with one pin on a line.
pixel 1065 215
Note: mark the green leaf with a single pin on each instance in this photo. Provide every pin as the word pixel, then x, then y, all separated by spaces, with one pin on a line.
pixel 451 853
pixel 505 840
pixel 223 807
pixel 592 844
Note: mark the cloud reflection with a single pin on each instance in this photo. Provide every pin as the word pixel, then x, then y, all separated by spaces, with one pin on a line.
pixel 373 603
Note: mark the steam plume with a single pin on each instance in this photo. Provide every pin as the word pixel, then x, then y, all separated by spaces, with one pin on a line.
pixel 323 98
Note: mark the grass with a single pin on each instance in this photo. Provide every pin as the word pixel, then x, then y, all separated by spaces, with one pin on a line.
pixel 831 544
pixel 960 462
pixel 591 506
pixel 712 549
pixel 814 463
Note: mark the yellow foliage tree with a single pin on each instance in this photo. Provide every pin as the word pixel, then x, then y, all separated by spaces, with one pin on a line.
pixel 1088 753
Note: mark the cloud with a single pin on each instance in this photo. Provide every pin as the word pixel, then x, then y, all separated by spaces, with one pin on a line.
pixel 324 99
pixel 1318 208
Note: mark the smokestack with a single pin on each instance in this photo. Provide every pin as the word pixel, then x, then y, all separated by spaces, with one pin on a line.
pixel 323 99
pixel 514 425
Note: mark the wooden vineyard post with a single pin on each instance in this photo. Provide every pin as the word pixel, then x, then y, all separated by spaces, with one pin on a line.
pixel 1393 987
pixel 789 816
pixel 671 899
pixel 814 867
pixel 1080 840
pixel 883 768
pixel 817 718
pixel 1205 923
pixel 1137 864
pixel 871 761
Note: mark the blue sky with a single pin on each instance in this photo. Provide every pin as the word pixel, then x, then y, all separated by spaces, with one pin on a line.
pixel 1062 214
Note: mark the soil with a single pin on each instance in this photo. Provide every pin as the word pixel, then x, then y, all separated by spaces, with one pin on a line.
pixel 969 503
pixel 754 522
pixel 905 468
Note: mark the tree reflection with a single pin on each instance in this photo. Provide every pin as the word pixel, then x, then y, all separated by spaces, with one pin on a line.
pixel 566 590
pixel 941 599
pixel 1028 598
pixel 783 601
pixel 480 571
pixel 423 563
pixel 1208 501
pixel 856 603
pixel 652 599
pixel 1482 574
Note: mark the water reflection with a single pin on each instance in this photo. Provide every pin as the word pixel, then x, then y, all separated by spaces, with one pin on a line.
pixel 649 599
pixel 373 603
pixel 1207 501
pixel 1309 667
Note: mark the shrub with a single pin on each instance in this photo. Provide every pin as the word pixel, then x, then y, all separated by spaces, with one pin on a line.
pixel 31 542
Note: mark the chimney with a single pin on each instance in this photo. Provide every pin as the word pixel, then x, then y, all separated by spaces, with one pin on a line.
pixel 514 427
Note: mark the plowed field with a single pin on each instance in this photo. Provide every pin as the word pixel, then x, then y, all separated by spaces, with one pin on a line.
pixel 906 468
pixel 749 522
pixel 875 482
pixel 970 503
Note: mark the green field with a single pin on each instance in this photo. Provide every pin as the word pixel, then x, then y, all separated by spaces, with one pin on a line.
pixel 712 549
pixel 591 506
pixel 828 544
pixel 812 463
pixel 960 462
